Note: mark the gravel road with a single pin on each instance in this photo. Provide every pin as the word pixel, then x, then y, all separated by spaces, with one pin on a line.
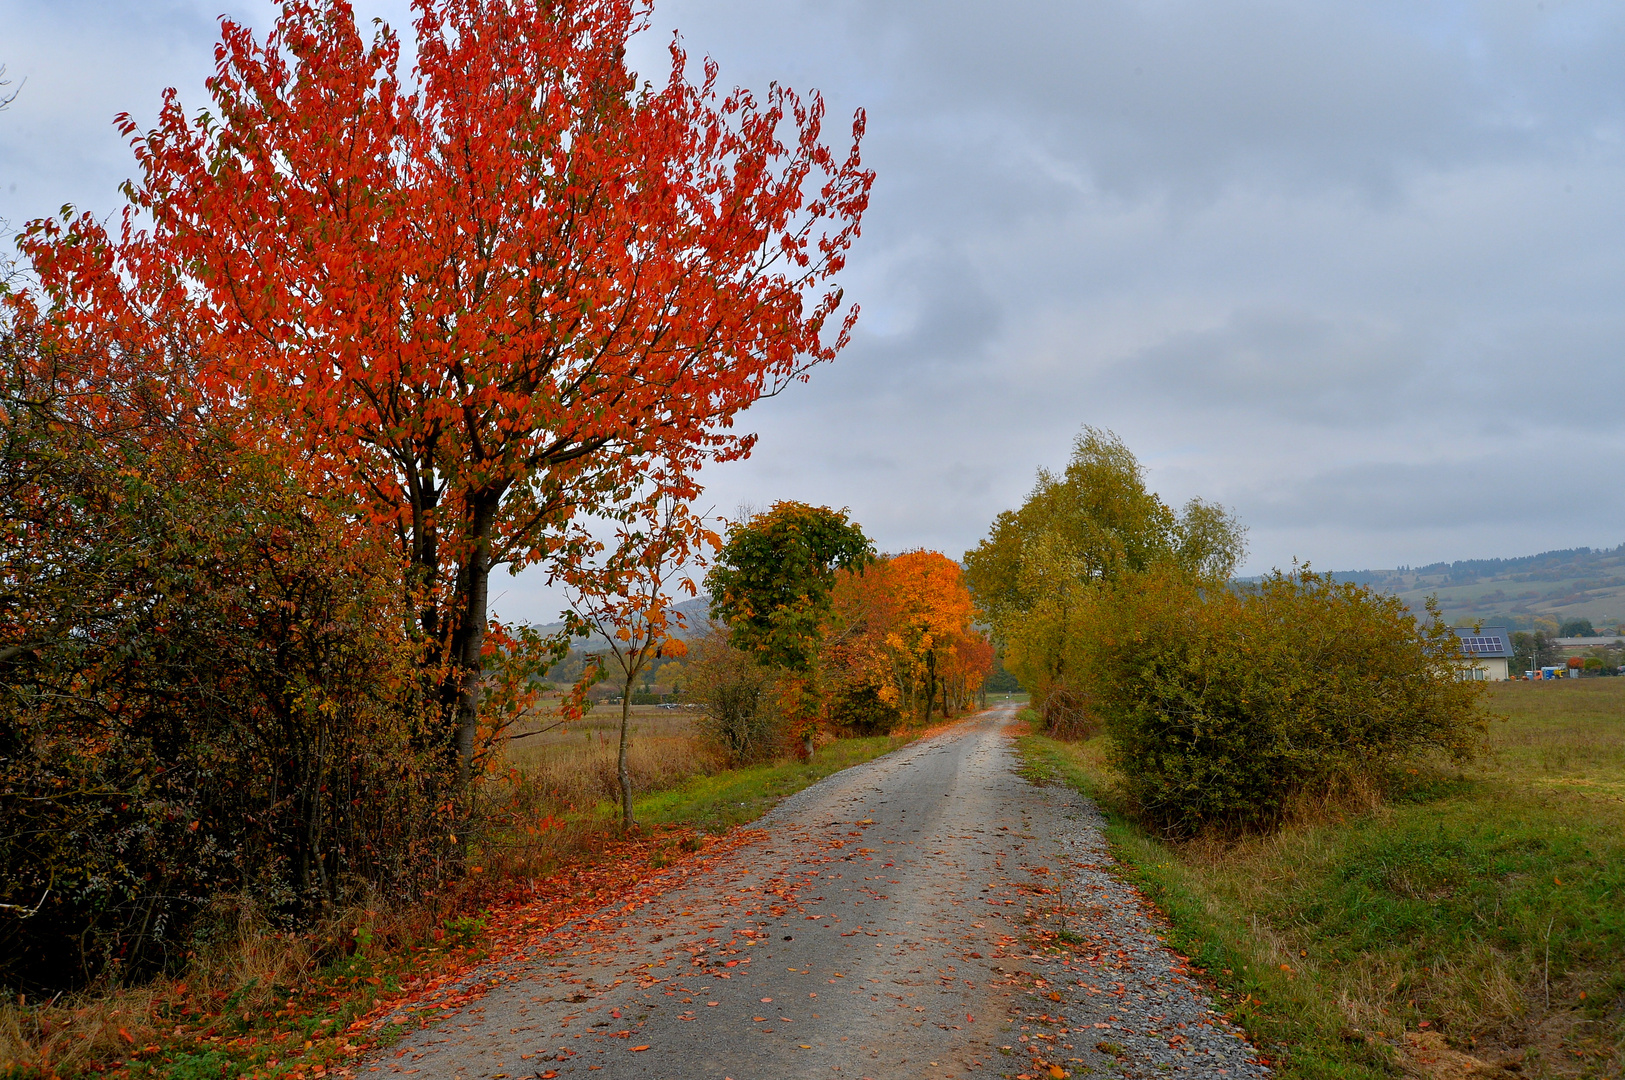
pixel 886 924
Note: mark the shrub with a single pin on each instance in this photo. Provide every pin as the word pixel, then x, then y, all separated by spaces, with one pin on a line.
pixel 861 710
pixel 206 687
pixel 737 698
pixel 1224 706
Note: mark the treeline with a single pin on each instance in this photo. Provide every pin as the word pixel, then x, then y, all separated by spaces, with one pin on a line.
pixel 1557 565
pixel 360 341
pixel 1221 703
pixel 815 634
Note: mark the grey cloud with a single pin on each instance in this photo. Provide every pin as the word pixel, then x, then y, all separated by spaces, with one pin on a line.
pixel 1353 269
pixel 1283 362
pixel 1490 489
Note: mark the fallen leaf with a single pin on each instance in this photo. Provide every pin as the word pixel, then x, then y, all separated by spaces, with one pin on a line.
pixel 635 1049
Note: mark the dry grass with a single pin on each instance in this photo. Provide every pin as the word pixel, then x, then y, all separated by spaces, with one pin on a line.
pixel 573 767
pixel 1567 735
pixel 245 972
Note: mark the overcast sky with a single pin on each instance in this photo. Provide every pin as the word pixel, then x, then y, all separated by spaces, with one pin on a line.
pixel 1355 270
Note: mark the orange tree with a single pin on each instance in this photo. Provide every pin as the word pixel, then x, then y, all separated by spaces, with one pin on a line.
pixel 902 635
pixel 481 298
pixel 931 616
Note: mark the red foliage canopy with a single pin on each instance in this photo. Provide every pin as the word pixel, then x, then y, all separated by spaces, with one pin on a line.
pixel 485 299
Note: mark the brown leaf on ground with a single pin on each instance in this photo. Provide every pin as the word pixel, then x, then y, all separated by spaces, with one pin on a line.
pixel 1425 1053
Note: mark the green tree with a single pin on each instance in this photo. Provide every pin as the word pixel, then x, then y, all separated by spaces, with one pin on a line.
pixel 771 586
pixel 1532 650
pixel 1098 515
pixel 1036 574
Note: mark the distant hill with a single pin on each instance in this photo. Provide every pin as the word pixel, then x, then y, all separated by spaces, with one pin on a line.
pixel 696 616
pixel 1575 583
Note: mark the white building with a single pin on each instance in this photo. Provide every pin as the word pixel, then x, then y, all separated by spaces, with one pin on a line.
pixel 1485 652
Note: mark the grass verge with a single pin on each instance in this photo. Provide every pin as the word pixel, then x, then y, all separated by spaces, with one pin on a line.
pixel 721 800
pixel 1485 905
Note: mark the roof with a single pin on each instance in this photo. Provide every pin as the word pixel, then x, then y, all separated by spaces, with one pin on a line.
pixel 1588 642
pixel 1487 642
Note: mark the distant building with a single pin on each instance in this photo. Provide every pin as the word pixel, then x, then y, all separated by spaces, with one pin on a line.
pixel 1485 652
pixel 1582 646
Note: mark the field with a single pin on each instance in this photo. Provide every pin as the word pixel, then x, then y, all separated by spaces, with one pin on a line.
pixel 574 765
pixel 1475 922
pixel 676 778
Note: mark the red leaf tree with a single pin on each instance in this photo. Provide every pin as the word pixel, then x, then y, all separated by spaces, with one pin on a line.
pixel 483 297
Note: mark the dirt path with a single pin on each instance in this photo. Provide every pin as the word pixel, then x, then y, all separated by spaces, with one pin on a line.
pixel 882 926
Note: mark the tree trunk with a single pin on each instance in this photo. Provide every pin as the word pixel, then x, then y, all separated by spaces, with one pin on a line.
pixel 468 646
pixel 930 684
pixel 621 771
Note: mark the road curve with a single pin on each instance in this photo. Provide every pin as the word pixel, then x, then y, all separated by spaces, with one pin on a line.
pixel 883 925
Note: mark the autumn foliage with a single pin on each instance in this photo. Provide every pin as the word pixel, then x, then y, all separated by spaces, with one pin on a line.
pixel 820 634
pixel 361 336
pixel 906 643
pixel 484 300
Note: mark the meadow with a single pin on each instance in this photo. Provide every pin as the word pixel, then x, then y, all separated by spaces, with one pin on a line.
pixel 573 766
pixel 679 778
pixel 1474 923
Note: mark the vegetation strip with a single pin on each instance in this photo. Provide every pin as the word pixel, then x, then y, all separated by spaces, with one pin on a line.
pixel 272 1016
pixel 1473 921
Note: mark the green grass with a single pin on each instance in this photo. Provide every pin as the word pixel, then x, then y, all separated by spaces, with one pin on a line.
pixel 1487 902
pixel 735 796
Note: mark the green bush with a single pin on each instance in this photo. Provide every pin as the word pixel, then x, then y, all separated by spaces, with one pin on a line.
pixel 737 698
pixel 1223 706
